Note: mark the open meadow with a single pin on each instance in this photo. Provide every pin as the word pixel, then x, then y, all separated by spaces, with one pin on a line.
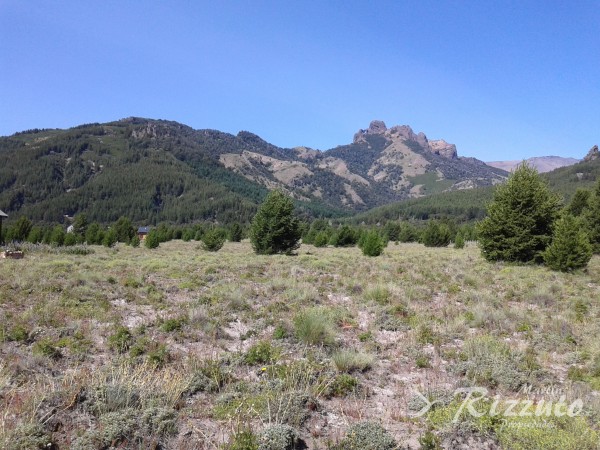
pixel 182 348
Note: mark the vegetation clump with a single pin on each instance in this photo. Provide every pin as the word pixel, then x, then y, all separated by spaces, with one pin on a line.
pixel 213 240
pixel 518 226
pixel 274 228
pixel 367 436
pixel 570 248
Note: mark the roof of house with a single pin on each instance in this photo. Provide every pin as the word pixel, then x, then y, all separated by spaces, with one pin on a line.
pixel 3 214
pixel 143 229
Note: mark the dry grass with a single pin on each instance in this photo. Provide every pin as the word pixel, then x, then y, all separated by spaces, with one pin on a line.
pixel 413 303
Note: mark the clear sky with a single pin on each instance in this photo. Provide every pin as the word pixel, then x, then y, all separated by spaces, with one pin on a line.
pixel 500 79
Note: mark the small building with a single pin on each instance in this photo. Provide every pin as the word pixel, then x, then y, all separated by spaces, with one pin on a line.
pixel 143 232
pixel 3 215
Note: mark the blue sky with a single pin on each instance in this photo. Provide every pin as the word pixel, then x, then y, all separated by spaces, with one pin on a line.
pixel 500 79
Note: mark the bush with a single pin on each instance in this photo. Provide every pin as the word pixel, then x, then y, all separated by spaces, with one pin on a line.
pixel 459 241
pixel 274 228
pixel 261 353
pixel 436 234
pixel 152 239
pixel 321 239
pixel 236 232
pixel 345 237
pixel 367 436
pixel 518 226
pixel 213 240
pixel 120 340
pixel 373 244
pixel 570 248
pixel 278 437
pixel 135 241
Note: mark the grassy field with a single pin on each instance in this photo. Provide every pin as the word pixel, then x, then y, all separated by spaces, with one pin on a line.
pixel 181 348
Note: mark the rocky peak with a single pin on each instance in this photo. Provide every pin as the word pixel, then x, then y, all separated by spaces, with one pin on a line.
pixel 375 127
pixel 443 148
pixel 592 154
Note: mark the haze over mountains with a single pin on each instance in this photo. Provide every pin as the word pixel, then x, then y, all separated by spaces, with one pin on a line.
pixel 157 170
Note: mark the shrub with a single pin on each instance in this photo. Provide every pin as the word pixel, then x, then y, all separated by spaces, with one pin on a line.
pixel 345 237
pixel 493 363
pixel 236 232
pixel 321 239
pixel 120 340
pixel 243 439
pixel 570 248
pixel 278 437
pixel 152 239
pixel 274 228
pixel 518 226
pixel 366 436
pixel 436 234
pixel 135 241
pixel 373 244
pixel 459 241
pixel 213 240
pixel 342 385
pixel 261 353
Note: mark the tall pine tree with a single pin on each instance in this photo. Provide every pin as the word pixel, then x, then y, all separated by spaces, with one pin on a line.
pixel 592 217
pixel 518 226
pixel 274 228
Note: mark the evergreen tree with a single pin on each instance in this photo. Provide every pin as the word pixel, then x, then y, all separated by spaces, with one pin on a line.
pixel 321 239
pixel 57 237
pixel 236 232
pixel 518 226
pixel 570 248
pixel 436 234
pixel 579 203
pixel 274 228
pixel 213 240
pixel 20 230
pixel 80 224
pixel 345 237
pixel 152 239
pixel 110 238
pixel 592 217
pixel 372 244
pixel 124 230
pixel 459 240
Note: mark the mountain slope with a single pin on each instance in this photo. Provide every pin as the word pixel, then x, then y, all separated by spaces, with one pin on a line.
pixel 155 170
pixel 468 205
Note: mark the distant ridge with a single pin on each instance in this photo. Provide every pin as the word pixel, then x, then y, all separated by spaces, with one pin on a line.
pixel 541 163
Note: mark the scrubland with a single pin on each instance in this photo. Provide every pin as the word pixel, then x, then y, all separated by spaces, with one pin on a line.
pixel 178 347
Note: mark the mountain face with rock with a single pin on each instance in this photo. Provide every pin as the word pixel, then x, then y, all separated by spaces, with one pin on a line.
pixel 154 170
pixel 593 154
pixel 381 165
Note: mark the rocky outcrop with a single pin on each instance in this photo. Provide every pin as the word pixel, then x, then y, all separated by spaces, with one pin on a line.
pixel 592 154
pixel 375 127
pixel 443 148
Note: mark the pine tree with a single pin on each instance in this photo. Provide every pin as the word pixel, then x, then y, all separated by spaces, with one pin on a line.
pixel 459 240
pixel 592 217
pixel 274 228
pixel 213 240
pixel 372 244
pixel 580 202
pixel 236 232
pixel 152 239
pixel 518 226
pixel 436 234
pixel 570 248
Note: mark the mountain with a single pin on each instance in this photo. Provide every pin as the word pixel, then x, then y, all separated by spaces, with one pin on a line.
pixel 380 166
pixel 157 170
pixel 541 163
pixel 469 205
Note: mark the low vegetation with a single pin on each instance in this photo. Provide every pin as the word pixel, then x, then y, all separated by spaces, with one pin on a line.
pixel 181 347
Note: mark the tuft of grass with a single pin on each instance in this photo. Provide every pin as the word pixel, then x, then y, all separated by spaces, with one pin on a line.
pixel 351 360
pixel 314 327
